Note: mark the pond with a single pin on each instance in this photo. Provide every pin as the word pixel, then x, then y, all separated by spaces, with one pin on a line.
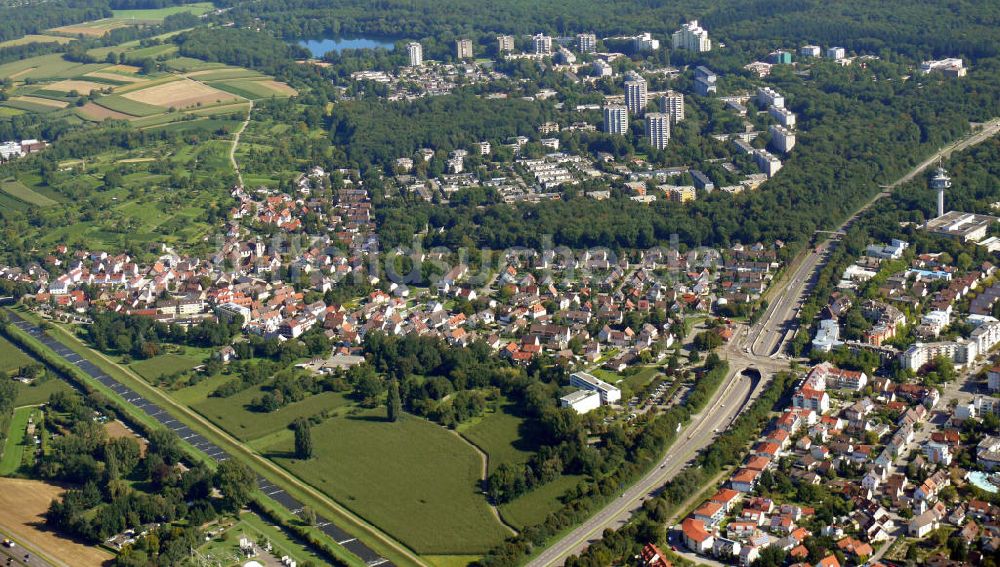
pixel 321 46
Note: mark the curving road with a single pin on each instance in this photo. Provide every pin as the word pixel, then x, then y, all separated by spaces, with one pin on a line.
pixel 758 346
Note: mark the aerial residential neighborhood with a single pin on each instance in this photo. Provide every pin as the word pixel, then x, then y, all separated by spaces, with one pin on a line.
pixel 431 284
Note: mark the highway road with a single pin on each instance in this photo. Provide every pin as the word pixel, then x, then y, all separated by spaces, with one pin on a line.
pixel 758 346
pixel 22 554
pixel 732 395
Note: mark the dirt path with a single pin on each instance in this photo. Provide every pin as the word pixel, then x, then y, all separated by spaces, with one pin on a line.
pixel 236 142
pixel 486 470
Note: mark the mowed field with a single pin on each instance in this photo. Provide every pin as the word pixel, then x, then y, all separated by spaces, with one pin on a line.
pixel 34 38
pixel 11 357
pixel 163 365
pixel 96 28
pixel 179 94
pixel 21 192
pixel 14 444
pixel 235 416
pixel 23 503
pixel 412 478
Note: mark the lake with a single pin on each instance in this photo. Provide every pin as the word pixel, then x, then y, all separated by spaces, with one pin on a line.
pixel 322 46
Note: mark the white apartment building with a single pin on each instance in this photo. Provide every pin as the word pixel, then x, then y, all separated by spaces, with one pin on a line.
pixel 691 37
pixel 586 43
pixel 768 163
pixel 416 54
pixel 782 139
pixel 645 42
pixel 602 68
pixel 635 94
pixel 810 51
pixel 542 44
pixel 505 43
pixel 766 96
pixel 836 53
pixel 616 119
pixel 784 116
pixel 463 49
pixel 672 103
pixel 658 129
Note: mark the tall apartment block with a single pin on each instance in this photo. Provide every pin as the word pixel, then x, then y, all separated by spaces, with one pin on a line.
pixel 586 43
pixel 416 53
pixel 463 49
pixel 691 37
pixel 635 94
pixel 672 103
pixel 542 44
pixel 615 119
pixel 658 129
pixel 505 43
pixel 782 139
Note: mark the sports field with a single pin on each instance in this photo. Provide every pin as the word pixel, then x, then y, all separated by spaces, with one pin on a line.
pixel 24 502
pixel 412 478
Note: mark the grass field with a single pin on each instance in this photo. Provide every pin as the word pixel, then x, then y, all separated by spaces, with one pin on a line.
pixel 255 88
pixel 34 38
pixel 503 435
pixel 24 502
pixel 233 415
pixel 20 191
pixel 532 508
pixel 158 14
pixel 38 392
pixel 224 73
pixel 119 103
pixel 11 357
pixel 411 478
pixel 162 365
pixel 451 560
pixel 96 28
pixel 14 446
pixel 35 104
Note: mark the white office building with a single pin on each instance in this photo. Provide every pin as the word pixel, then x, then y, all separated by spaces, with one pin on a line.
pixel 582 401
pixel 658 129
pixel 416 53
pixel 542 44
pixel 616 119
pixel 691 37
pixel 586 43
pixel 672 103
pixel 609 394
pixel 635 94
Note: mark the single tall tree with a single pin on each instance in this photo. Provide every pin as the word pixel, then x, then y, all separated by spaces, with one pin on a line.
pixel 303 439
pixel 394 406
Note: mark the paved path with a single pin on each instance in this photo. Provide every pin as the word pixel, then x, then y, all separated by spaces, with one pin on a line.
pixel 236 142
pixel 196 440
